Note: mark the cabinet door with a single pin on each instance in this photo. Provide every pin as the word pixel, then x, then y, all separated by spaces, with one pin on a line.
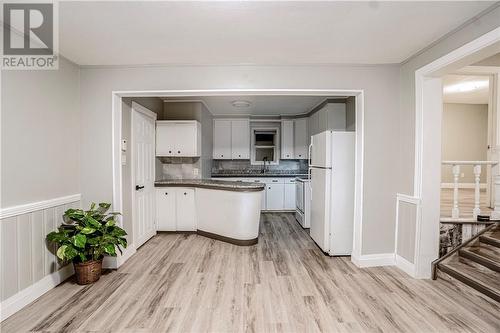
pixel 240 139
pixel 186 139
pixel 222 139
pixel 301 141
pixel 186 210
pixel 275 196
pixel 286 139
pixel 165 209
pixel 165 139
pixel 263 197
pixel 289 202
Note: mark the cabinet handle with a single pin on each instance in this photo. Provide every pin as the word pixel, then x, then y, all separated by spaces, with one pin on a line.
pixel 257 181
pixel 166 193
pixel 221 155
pixel 185 193
pixel 269 187
pixel 275 181
pixel 239 155
pixel 170 152
pixel 300 155
pixel 137 187
pixel 178 152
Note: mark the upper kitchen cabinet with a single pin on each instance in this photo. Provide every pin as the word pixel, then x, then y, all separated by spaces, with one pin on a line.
pixel 294 139
pixel 222 139
pixel 231 139
pixel 287 140
pixel 301 139
pixel 179 138
pixel 240 139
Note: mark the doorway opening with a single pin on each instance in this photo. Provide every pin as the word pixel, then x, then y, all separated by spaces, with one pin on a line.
pixel 193 95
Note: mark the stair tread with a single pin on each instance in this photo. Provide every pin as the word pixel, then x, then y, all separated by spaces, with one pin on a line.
pixel 495 233
pixel 487 251
pixel 474 271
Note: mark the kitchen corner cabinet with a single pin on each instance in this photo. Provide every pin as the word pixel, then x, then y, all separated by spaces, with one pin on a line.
pixel 231 139
pixel 175 209
pixel 287 139
pixel 179 138
pixel 301 139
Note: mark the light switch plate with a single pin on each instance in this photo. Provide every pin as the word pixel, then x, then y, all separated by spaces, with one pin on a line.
pixel 124 145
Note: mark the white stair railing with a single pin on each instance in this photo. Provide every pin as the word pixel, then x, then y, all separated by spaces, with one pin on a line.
pixel 477 168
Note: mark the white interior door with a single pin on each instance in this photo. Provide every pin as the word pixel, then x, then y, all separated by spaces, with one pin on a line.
pixel 320 207
pixel 143 173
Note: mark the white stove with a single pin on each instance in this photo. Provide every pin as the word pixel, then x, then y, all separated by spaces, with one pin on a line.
pixel 303 202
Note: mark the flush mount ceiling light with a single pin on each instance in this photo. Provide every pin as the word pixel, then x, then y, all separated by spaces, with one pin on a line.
pixel 241 104
pixel 466 86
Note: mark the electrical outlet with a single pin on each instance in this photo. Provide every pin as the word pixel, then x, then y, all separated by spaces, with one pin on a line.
pixel 462 175
pixel 124 159
pixel 196 171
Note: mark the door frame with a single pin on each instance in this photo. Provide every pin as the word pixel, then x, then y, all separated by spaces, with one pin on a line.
pixel 427 171
pixel 116 119
pixel 136 107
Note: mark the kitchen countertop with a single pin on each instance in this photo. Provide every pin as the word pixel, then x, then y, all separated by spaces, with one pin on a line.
pixel 257 174
pixel 211 184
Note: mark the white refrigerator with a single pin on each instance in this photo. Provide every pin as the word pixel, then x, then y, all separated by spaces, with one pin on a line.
pixel 331 170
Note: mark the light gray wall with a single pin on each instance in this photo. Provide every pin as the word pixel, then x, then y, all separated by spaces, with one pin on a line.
pixel 464 138
pixel 155 105
pixel 380 85
pixel 40 134
pixel 350 114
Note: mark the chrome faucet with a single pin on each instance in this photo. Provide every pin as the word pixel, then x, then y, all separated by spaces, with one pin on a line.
pixel 264 165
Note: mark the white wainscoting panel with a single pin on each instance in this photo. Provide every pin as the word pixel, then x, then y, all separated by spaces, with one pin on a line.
pixel 407 214
pixel 28 265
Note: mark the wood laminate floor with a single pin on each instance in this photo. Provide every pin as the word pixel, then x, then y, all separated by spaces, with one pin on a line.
pixel 189 283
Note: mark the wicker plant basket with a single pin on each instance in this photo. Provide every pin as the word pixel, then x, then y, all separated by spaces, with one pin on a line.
pixel 88 272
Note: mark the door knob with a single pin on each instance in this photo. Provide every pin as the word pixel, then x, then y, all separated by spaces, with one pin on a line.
pixel 137 187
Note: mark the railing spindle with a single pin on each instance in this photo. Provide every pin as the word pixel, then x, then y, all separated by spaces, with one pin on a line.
pixel 455 212
pixel 477 177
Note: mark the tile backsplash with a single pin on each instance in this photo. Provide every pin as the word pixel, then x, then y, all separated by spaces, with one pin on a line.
pixel 219 166
pixel 180 168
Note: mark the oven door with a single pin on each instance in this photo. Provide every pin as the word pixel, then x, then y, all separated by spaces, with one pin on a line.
pixel 299 195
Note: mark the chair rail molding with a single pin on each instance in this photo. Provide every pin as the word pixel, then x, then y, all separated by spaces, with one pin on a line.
pixel 39 205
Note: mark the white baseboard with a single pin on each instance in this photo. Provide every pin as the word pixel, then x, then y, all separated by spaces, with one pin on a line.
pixel 116 262
pixel 405 265
pixel 36 206
pixel 482 186
pixel 18 301
pixel 373 260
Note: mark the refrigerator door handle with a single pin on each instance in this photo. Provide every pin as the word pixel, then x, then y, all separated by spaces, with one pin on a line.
pixel 309 174
pixel 309 153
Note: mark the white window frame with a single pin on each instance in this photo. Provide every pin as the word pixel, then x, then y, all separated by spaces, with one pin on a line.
pixel 277 151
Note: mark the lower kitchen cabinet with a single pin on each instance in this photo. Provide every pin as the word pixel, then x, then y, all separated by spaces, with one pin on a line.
pixel 175 209
pixel 275 194
pixel 289 200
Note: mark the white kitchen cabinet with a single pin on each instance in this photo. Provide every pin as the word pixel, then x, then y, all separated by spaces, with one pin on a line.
pixel 222 139
pixel 287 139
pixel 231 139
pixel 289 195
pixel 175 209
pixel 275 193
pixel 240 139
pixel 186 210
pixel 165 209
pixel 180 138
pixel 301 139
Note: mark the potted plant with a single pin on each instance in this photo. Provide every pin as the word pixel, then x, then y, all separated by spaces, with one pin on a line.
pixel 85 237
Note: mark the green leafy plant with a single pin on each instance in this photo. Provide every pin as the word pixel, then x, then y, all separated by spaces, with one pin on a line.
pixel 88 235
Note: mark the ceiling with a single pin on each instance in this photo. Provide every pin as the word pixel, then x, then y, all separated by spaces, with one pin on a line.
pixel 153 32
pixel 466 89
pixel 259 105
